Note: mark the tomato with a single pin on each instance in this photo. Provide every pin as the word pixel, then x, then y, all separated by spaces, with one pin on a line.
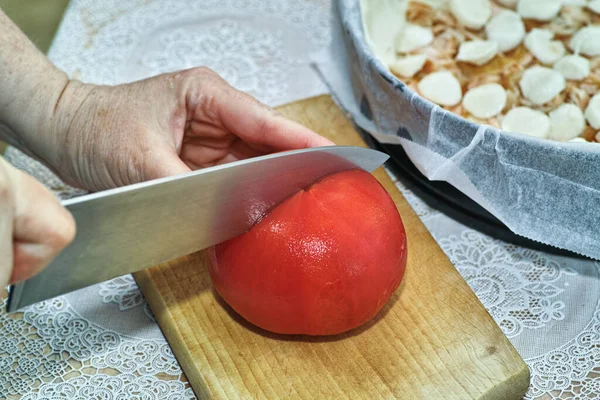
pixel 322 262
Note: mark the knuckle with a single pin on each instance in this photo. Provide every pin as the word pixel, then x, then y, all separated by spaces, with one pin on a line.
pixel 267 119
pixel 204 73
pixel 209 107
pixel 63 233
pixel 265 126
pixel 208 74
pixel 202 70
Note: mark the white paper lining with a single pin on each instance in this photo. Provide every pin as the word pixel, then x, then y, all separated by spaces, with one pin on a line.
pixel 546 191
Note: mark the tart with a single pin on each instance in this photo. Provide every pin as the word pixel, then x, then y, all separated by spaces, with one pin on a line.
pixel 527 66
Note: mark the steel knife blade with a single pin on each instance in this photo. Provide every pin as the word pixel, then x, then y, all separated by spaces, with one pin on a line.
pixel 124 230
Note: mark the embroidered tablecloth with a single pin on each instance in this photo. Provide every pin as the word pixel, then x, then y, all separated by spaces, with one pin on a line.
pixel 103 342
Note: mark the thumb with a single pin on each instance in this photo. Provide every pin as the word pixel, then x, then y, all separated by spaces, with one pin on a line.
pixel 42 227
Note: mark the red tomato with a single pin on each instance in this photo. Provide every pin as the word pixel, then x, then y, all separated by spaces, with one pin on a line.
pixel 324 261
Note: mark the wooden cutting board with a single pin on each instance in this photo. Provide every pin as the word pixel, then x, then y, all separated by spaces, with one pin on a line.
pixel 433 340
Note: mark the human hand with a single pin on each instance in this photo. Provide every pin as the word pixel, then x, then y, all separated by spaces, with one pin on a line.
pixel 99 137
pixel 108 136
pixel 34 227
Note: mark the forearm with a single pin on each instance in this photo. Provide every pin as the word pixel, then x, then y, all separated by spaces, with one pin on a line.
pixel 30 90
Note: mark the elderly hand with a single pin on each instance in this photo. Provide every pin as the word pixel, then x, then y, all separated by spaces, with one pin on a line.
pixel 98 137
pixel 107 136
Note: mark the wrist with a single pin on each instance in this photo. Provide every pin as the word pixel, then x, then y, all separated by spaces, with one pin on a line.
pixel 28 106
pixel 39 112
pixel 43 128
pixel 55 118
pixel 31 87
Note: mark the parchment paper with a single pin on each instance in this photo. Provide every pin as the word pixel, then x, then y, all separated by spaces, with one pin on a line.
pixel 544 190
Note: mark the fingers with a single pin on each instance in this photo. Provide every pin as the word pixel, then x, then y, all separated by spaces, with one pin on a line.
pixel 41 226
pixel 257 124
pixel 216 102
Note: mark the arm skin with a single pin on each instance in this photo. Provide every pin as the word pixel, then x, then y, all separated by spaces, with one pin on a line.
pixel 100 137
pixel 30 89
pixel 34 227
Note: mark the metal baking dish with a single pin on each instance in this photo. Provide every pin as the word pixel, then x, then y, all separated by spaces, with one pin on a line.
pixel 545 191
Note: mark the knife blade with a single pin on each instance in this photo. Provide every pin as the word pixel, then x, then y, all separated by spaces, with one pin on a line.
pixel 127 229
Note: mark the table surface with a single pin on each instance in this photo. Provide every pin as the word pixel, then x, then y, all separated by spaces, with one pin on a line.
pixel 103 341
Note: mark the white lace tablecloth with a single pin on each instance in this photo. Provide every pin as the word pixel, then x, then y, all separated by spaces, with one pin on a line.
pixel 103 342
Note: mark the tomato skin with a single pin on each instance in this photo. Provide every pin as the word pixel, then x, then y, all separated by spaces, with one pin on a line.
pixel 322 262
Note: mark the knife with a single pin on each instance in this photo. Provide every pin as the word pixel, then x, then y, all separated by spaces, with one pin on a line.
pixel 128 229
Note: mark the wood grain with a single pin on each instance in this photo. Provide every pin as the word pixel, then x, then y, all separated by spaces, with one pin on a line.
pixel 433 340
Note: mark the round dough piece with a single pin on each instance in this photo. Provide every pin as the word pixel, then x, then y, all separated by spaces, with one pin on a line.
pixel 540 84
pixel 477 52
pixel 408 66
pixel 485 101
pixel 592 112
pixel 413 37
pixel 441 87
pixel 566 122
pixel 471 13
pixel 573 67
pixel 539 42
pixel 528 121
pixel 586 41
pixel 539 10
pixel 507 29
